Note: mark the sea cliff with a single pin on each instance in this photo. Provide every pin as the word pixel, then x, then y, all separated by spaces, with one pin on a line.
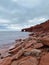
pixel 38 28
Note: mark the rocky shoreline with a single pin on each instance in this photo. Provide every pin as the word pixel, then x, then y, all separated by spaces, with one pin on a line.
pixel 33 50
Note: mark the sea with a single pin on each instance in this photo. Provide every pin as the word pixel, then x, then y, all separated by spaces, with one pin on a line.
pixel 8 37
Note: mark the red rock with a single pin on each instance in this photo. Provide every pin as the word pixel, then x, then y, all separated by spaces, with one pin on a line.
pixel 44 60
pixel 14 63
pixel 38 28
pixel 5 55
pixel 1 60
pixel 6 61
pixel 30 43
pixel 28 49
pixel 11 47
pixel 20 60
pixel 29 61
pixel 36 52
pixel 38 45
pixel 33 52
pixel 32 34
pixel 45 41
pixel 18 54
pixel 17 48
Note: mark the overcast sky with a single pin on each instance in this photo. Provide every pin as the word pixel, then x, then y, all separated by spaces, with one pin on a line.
pixel 18 14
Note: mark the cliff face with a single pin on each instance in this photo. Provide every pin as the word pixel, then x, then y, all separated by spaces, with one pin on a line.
pixel 38 28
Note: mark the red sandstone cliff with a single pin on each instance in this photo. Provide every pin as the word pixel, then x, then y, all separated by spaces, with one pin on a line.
pixel 38 28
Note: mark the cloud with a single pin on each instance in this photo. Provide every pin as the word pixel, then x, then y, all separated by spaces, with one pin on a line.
pixel 14 27
pixel 14 0
pixel 3 9
pixel 4 21
pixel 10 27
pixel 5 25
pixel 6 10
pixel 37 20
pixel 27 3
pixel 18 14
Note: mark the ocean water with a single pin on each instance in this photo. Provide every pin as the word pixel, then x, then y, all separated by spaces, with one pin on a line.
pixel 7 37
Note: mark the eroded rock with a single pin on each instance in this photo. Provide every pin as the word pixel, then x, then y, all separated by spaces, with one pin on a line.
pixel 6 61
pixel 33 52
pixel 44 60
pixel 17 49
pixel 19 54
pixel 36 52
pixel 45 41
pixel 29 61
pixel 38 45
pixel 30 43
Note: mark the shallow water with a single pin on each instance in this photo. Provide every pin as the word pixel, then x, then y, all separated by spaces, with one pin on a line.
pixel 11 36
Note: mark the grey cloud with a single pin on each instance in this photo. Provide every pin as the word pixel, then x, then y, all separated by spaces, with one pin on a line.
pixel 21 11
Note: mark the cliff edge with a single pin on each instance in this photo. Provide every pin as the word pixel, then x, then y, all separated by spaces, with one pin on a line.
pixel 38 28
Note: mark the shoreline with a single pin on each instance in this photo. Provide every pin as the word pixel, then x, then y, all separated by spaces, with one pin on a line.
pixel 32 48
pixel 12 43
pixel 8 37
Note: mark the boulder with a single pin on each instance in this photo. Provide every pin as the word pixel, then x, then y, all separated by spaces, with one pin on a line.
pixel 44 59
pixel 33 52
pixel 6 61
pixel 27 52
pixel 29 61
pixel 45 41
